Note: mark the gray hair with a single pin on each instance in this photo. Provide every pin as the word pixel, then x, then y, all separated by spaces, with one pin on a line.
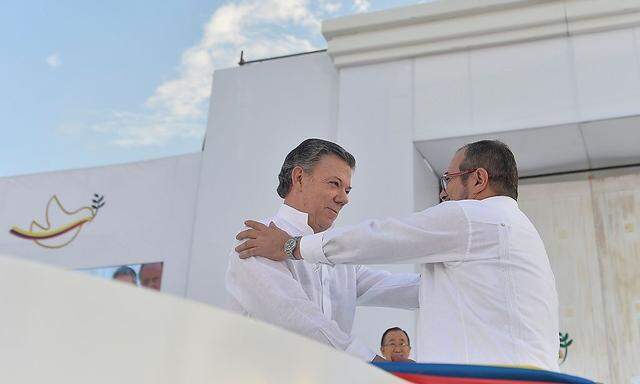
pixel 306 155
pixel 498 160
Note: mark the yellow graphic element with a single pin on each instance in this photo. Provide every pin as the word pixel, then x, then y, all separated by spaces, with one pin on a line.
pixel 43 234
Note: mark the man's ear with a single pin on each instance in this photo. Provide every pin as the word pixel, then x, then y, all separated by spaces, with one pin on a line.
pixel 482 180
pixel 296 177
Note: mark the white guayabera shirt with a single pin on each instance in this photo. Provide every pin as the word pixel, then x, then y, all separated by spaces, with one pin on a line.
pixel 317 301
pixel 488 294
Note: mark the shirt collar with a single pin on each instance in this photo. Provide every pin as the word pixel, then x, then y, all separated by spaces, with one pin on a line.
pixel 296 218
pixel 506 200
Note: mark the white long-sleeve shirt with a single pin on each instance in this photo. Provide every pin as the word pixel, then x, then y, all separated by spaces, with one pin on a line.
pixel 487 295
pixel 317 301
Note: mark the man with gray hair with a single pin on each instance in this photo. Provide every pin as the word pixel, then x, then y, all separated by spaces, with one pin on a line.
pixel 317 301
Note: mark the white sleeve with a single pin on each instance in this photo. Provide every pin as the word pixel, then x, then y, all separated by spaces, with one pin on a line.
pixel 267 291
pixel 438 234
pixel 376 288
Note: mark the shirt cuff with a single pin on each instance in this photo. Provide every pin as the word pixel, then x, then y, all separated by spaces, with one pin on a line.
pixel 311 249
pixel 361 351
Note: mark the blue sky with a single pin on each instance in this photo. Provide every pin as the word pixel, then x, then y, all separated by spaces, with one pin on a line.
pixel 90 83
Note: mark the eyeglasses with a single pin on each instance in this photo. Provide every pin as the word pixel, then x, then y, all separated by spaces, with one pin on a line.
pixel 396 345
pixel 446 177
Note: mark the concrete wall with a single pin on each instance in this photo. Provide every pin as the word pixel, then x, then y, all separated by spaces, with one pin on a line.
pixel 528 85
pixel 589 223
pixel 77 329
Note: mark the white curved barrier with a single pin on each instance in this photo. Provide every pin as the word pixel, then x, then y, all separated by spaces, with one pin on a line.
pixel 64 327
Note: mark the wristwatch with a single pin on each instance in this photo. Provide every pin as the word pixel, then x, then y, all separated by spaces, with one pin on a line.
pixel 290 246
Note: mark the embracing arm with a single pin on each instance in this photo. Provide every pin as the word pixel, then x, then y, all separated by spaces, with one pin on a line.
pixel 267 290
pixel 440 233
pixel 377 288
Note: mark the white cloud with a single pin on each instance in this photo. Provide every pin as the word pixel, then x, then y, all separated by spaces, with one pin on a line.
pixel 361 5
pixel 178 107
pixel 232 28
pixel 262 28
pixel 140 129
pixel 53 60
pixel 331 7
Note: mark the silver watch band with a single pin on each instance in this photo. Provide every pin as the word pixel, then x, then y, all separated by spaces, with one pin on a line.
pixel 291 254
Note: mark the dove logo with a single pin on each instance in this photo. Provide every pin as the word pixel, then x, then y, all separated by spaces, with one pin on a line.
pixel 61 226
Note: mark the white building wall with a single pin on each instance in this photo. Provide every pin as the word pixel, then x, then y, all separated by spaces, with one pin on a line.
pixel 147 216
pixel 528 85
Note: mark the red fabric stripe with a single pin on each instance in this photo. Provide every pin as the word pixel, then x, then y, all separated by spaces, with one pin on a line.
pixel 426 379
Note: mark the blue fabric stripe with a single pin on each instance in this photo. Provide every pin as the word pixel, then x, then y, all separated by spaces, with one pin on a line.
pixel 482 372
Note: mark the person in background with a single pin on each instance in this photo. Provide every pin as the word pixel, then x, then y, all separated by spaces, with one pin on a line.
pixel 395 345
pixel 151 275
pixel 126 275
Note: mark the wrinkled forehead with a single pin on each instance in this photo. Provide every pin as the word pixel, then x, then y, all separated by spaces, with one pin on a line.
pixel 332 165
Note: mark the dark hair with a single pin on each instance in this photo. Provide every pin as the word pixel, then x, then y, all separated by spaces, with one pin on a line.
pixel 391 330
pixel 306 155
pixel 497 159
pixel 125 271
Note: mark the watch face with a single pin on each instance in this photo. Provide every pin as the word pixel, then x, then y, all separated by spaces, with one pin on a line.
pixel 289 245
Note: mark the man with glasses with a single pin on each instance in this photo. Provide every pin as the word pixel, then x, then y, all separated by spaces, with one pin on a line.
pixel 395 345
pixel 487 292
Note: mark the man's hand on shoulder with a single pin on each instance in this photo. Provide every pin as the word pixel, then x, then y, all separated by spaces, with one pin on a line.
pixel 262 240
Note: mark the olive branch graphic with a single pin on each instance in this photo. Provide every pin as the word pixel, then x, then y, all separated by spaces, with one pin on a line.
pixel 97 202
pixel 565 342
